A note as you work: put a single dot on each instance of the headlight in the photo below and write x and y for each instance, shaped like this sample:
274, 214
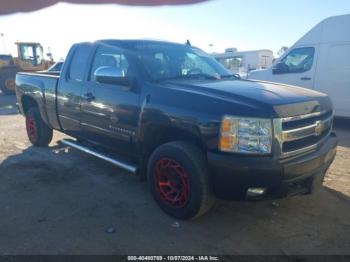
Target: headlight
246, 135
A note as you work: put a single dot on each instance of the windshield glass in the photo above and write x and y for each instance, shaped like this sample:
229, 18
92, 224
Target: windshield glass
164, 61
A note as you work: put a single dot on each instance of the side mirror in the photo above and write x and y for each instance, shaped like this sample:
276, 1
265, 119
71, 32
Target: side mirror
280, 68
111, 75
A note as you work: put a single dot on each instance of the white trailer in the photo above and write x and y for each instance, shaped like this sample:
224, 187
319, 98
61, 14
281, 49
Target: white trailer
319, 60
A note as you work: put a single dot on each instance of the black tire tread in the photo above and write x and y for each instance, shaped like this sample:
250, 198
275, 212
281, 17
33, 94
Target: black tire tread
45, 133
198, 159
4, 89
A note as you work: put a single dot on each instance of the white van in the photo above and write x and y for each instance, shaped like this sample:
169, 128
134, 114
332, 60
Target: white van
320, 60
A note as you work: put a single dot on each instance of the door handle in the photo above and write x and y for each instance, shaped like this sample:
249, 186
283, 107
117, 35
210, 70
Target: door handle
305, 78
89, 97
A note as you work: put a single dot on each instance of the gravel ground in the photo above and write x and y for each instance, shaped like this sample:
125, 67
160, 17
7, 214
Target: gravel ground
60, 201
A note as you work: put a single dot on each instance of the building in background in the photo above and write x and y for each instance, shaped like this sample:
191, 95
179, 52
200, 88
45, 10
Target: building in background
241, 62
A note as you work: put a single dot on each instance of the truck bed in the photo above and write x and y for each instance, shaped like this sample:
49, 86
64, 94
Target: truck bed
42, 88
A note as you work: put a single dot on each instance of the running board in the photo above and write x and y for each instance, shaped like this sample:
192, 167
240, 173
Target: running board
116, 162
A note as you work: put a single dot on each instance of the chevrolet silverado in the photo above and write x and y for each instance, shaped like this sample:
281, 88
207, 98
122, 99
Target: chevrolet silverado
176, 117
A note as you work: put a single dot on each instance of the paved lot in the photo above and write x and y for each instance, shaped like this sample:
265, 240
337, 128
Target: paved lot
58, 201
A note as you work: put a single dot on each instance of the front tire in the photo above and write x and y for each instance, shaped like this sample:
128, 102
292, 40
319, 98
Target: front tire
38, 132
179, 180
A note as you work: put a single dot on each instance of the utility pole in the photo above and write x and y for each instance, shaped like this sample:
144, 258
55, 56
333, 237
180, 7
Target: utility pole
3, 42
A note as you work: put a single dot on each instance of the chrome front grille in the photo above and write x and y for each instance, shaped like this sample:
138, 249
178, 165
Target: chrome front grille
300, 134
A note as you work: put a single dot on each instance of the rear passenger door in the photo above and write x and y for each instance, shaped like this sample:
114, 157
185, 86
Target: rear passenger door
70, 87
110, 112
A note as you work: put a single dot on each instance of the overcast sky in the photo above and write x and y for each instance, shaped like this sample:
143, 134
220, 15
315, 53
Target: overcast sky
246, 25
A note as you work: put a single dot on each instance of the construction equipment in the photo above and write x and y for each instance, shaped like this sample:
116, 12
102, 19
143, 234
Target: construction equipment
30, 58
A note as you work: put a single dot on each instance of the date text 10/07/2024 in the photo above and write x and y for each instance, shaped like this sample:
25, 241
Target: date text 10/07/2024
173, 258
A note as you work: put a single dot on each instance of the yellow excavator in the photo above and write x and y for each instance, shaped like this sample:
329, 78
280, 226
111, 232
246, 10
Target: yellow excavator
30, 58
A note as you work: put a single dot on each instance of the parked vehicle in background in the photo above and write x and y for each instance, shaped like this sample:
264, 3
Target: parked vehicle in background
241, 62
174, 115
320, 60
56, 67
30, 58
7, 71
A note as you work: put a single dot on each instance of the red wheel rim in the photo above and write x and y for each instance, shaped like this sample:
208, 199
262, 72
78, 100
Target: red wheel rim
172, 183
31, 128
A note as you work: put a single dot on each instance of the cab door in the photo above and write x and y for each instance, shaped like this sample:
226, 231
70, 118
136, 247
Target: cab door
70, 86
296, 68
109, 111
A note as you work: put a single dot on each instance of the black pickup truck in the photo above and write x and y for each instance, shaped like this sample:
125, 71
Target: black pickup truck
173, 115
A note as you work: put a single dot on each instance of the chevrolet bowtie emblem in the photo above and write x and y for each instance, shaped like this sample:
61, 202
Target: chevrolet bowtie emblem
319, 128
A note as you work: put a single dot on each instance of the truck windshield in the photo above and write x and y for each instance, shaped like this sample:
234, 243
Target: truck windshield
164, 61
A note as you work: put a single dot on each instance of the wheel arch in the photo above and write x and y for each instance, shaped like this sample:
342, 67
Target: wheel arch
28, 102
157, 135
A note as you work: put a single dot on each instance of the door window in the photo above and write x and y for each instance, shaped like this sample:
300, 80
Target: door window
112, 57
299, 60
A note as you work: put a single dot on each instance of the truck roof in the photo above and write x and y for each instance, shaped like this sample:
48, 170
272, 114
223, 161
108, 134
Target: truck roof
331, 29
27, 43
132, 41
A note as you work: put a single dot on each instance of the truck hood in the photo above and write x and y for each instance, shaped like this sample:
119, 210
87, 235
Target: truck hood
283, 99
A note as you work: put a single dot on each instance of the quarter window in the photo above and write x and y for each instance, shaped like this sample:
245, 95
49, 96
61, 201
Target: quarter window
79, 62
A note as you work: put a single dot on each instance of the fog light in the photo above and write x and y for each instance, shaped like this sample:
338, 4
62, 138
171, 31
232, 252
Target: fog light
255, 192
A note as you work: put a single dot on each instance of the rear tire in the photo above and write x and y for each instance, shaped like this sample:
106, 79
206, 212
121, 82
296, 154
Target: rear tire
179, 180
7, 80
38, 132
7, 86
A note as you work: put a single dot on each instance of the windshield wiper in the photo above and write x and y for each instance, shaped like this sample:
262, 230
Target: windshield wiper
233, 76
190, 76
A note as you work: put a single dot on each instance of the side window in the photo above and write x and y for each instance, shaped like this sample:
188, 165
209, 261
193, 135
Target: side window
109, 56
299, 60
79, 62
